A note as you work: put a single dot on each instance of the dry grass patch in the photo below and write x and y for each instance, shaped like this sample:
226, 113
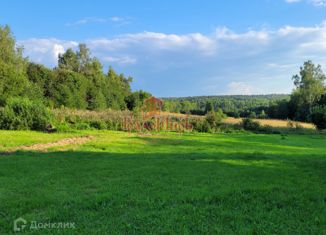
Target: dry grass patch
272, 122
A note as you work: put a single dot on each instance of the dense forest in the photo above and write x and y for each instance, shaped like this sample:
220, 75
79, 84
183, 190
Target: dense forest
233, 105
79, 81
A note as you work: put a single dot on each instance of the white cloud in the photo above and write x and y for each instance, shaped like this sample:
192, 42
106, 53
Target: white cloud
87, 20
46, 50
292, 1
116, 20
120, 59
226, 34
238, 62
157, 41
235, 88
316, 3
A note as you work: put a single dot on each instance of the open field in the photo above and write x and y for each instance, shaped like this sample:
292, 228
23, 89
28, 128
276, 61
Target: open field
165, 183
263, 122
271, 122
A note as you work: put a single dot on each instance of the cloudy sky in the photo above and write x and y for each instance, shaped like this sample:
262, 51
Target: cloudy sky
180, 48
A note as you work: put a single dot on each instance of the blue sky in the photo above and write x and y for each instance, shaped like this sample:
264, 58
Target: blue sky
180, 48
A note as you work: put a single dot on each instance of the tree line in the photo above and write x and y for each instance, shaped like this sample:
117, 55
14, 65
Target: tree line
78, 81
232, 105
306, 103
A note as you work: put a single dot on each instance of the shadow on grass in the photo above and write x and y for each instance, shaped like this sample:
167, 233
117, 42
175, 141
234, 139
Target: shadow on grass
89, 159
136, 193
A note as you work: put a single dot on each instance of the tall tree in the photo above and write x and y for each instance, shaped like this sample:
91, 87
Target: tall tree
309, 87
119, 88
69, 61
84, 58
209, 106
136, 99
13, 79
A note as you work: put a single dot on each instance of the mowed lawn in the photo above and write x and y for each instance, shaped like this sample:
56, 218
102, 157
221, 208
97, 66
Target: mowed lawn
168, 183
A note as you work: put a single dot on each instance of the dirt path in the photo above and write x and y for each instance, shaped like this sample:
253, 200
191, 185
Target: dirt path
42, 147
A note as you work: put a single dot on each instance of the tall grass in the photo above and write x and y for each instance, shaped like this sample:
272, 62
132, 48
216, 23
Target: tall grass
67, 119
74, 119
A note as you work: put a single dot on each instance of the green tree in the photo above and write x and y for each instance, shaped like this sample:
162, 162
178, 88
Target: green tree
13, 79
84, 58
136, 99
279, 109
187, 106
215, 118
41, 79
68, 61
69, 89
322, 100
262, 114
209, 107
119, 88
309, 87
77, 82
318, 116
252, 115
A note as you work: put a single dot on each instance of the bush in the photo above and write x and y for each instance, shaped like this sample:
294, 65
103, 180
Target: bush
252, 115
215, 118
82, 126
269, 130
149, 125
250, 125
63, 127
99, 125
23, 114
318, 117
200, 125
86, 119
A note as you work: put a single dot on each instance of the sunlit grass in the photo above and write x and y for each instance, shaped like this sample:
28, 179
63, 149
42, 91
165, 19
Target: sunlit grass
272, 122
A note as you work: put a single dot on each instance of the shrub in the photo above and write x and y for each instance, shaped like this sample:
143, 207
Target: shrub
252, 115
269, 130
23, 114
149, 125
82, 126
100, 125
318, 117
200, 125
250, 125
63, 127
215, 118
85, 119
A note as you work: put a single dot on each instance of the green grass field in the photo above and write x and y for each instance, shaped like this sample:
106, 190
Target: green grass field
168, 183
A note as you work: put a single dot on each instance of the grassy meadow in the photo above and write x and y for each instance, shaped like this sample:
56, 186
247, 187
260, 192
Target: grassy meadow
167, 183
